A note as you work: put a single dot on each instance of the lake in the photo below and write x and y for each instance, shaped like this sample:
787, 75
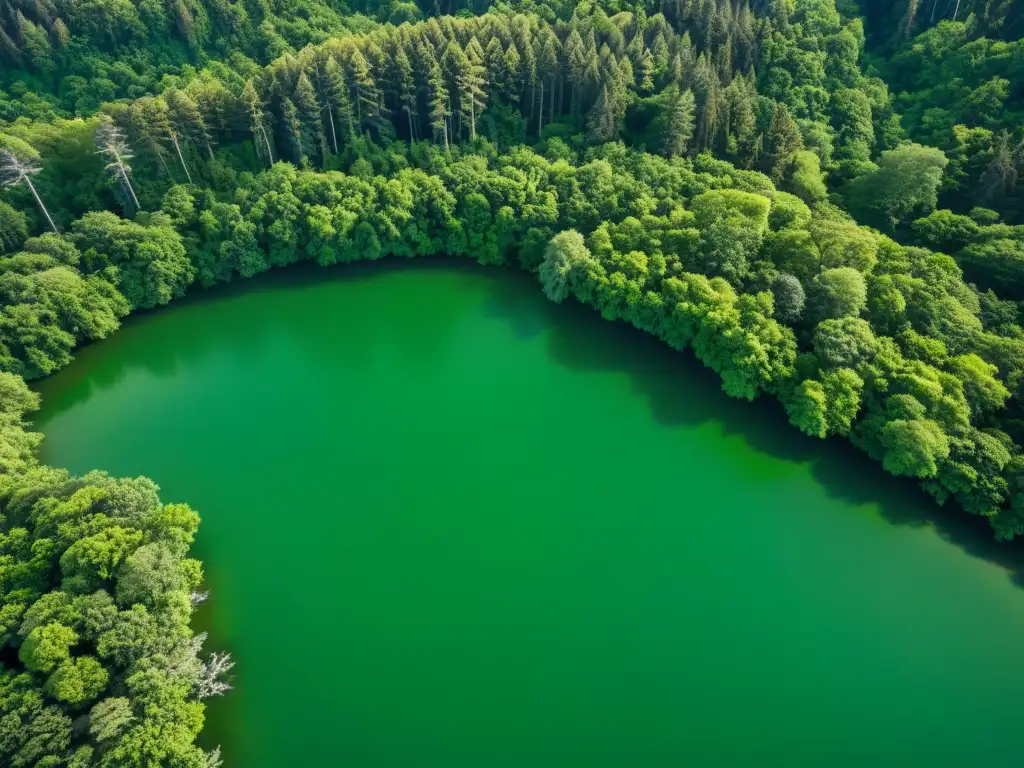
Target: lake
449, 524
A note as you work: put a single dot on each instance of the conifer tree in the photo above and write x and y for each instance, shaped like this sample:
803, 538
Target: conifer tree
512, 73
187, 120
679, 131
310, 118
782, 141
440, 105
257, 119
293, 129
405, 89
601, 122
547, 71
365, 94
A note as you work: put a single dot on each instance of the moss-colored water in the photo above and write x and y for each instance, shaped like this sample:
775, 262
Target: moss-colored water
446, 523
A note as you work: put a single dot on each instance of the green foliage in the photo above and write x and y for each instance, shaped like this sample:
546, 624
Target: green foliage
263, 137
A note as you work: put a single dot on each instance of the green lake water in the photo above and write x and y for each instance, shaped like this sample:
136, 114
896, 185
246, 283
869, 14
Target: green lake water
449, 524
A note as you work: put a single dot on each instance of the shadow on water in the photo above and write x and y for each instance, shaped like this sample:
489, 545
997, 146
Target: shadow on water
678, 390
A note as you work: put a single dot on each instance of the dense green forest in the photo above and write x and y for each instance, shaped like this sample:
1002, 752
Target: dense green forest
822, 203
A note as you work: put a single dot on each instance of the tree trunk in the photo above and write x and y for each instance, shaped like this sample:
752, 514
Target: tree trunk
39, 200
128, 184
540, 112
551, 111
174, 140
330, 120
472, 117
266, 140
412, 133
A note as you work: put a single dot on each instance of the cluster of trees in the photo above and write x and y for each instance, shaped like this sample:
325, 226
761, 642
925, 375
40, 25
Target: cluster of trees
956, 85
100, 666
856, 334
893, 21
777, 88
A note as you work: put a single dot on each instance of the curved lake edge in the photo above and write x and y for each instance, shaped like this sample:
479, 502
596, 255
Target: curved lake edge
845, 472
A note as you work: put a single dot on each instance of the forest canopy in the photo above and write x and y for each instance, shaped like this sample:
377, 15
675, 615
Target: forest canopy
821, 201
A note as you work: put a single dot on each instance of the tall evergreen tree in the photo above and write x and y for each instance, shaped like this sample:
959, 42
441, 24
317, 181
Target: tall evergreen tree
440, 105
782, 141
679, 130
601, 122
187, 120
310, 118
256, 116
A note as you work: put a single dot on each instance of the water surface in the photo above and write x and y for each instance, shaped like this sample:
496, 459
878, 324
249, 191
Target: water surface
447, 523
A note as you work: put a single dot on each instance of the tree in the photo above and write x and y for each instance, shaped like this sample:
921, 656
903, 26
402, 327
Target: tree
904, 185
365, 94
837, 293
566, 252
789, 298
781, 144
310, 117
601, 121
679, 131
844, 342
19, 162
13, 229
187, 119
254, 109
110, 141
440, 105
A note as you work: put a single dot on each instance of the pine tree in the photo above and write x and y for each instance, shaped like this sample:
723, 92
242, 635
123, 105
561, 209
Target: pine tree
310, 117
365, 94
601, 123
187, 120
257, 118
646, 75
472, 94
1000, 176
512, 74
293, 127
440, 105
149, 127
679, 130
547, 70
782, 141
405, 89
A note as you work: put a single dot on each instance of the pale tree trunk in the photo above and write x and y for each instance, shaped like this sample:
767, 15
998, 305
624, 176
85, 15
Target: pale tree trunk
124, 176
472, 117
39, 200
127, 183
540, 112
334, 136
266, 140
174, 140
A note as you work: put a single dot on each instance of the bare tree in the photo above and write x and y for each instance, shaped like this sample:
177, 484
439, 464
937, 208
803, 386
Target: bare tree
212, 759
111, 142
14, 170
198, 597
210, 683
